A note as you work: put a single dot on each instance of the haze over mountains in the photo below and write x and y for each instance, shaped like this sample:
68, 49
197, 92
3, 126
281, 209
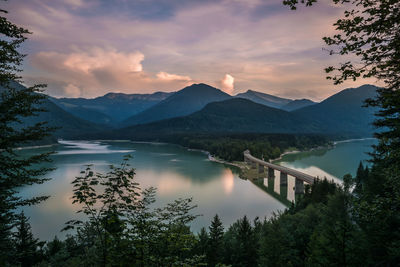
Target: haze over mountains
68, 125
123, 110
341, 115
234, 115
264, 99
200, 108
274, 101
297, 104
111, 108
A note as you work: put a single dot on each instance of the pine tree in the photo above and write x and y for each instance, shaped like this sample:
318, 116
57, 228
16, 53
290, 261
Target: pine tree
16, 104
370, 31
360, 179
202, 244
26, 246
337, 240
247, 245
215, 244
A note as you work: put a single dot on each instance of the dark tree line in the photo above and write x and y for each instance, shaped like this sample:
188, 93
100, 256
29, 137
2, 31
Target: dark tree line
230, 147
15, 170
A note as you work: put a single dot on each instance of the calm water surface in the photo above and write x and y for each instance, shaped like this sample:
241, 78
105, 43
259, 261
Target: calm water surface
173, 170
176, 173
333, 163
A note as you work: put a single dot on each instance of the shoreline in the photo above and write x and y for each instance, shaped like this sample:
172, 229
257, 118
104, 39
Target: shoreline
35, 147
333, 145
353, 140
302, 151
214, 159
210, 157
286, 153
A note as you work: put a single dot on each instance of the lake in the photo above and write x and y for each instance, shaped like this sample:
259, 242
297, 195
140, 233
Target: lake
176, 172
333, 163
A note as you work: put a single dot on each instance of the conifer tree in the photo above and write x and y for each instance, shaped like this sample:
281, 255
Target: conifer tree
202, 244
215, 244
247, 245
370, 31
16, 104
26, 246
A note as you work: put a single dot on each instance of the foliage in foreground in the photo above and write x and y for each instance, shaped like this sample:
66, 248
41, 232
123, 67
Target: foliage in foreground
16, 105
324, 228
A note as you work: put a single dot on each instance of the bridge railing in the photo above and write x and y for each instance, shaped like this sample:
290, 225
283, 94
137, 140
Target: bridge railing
297, 174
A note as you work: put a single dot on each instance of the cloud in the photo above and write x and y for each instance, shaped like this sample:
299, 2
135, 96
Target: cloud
98, 58
227, 84
99, 46
74, 3
96, 71
172, 77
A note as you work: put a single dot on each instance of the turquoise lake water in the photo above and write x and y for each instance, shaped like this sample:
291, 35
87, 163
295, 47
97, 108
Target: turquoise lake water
176, 172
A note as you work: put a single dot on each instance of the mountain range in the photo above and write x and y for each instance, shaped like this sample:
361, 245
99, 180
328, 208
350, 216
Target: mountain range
235, 115
121, 110
275, 101
183, 102
201, 108
342, 114
111, 108
67, 125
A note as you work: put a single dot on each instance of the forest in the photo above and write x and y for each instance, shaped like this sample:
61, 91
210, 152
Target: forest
328, 226
230, 147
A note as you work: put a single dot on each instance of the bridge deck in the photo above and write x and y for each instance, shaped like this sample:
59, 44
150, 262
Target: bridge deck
300, 175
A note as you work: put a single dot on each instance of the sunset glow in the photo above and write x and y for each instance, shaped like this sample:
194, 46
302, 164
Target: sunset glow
88, 48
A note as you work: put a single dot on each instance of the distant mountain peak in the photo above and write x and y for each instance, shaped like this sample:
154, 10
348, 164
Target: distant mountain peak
184, 102
199, 86
264, 99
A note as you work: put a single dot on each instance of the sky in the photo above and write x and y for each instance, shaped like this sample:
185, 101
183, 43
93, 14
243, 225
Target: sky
87, 48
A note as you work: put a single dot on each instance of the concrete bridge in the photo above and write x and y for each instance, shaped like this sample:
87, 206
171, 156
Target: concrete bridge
300, 178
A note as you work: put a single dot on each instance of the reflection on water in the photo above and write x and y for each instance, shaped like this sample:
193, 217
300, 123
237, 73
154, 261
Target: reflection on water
174, 171
228, 181
324, 163
333, 163
179, 173
83, 147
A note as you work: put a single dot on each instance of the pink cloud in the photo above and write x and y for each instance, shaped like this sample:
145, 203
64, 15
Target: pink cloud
279, 53
98, 58
96, 71
172, 77
227, 84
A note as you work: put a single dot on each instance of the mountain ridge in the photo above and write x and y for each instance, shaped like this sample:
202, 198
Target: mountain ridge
68, 125
344, 112
110, 108
265, 99
184, 102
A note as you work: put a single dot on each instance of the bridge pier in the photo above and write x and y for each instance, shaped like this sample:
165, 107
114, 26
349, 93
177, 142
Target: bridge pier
271, 173
279, 183
299, 187
283, 178
260, 168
